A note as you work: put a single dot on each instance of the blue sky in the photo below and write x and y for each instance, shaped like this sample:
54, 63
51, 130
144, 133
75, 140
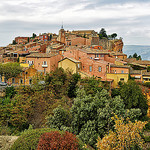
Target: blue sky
130, 19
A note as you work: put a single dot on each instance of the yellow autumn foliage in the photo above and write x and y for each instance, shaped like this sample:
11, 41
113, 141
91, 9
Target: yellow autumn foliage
126, 135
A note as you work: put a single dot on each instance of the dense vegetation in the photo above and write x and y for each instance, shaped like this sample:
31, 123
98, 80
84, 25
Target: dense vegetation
66, 102
29, 139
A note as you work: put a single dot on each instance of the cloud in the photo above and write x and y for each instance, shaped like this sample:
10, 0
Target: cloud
126, 18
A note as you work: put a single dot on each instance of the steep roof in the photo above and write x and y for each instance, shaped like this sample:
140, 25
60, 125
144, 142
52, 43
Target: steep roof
40, 55
72, 59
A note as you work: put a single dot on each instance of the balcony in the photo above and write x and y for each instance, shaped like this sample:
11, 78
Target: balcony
44, 65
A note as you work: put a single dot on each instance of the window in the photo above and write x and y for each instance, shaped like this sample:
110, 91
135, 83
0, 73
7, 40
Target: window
91, 57
30, 81
44, 62
13, 80
78, 65
99, 69
122, 71
121, 79
97, 55
83, 67
21, 81
90, 68
102, 55
79, 58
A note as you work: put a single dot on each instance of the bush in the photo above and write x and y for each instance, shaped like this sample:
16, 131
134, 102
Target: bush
56, 140
147, 138
29, 139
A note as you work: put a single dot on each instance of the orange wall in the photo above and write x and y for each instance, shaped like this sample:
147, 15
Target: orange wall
52, 63
118, 70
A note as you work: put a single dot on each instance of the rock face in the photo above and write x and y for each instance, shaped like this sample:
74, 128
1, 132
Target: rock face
112, 45
7, 141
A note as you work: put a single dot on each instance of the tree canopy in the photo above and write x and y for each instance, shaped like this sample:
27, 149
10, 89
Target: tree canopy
10, 70
102, 33
90, 116
127, 135
132, 96
138, 57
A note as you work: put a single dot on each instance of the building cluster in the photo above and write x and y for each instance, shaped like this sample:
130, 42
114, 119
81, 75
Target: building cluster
79, 51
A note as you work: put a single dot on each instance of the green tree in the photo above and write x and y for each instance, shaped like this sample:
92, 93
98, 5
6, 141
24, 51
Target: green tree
91, 115
130, 56
148, 68
14, 42
135, 55
60, 118
102, 33
33, 35
114, 35
10, 70
50, 37
133, 97
91, 85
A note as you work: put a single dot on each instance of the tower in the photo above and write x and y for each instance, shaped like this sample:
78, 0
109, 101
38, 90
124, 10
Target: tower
61, 37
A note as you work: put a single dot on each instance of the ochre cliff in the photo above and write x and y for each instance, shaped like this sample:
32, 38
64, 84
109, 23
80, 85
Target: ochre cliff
112, 45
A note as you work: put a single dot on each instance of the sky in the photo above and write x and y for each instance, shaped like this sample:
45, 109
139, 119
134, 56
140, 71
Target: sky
130, 19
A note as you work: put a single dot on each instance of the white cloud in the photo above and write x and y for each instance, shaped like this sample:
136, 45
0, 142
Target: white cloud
127, 18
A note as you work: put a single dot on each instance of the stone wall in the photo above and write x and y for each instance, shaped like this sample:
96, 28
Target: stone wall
7, 141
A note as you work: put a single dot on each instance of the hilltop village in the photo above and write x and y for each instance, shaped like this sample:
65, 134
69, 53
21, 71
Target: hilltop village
80, 51
77, 81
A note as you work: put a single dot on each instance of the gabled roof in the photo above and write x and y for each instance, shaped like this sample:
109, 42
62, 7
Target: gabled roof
72, 59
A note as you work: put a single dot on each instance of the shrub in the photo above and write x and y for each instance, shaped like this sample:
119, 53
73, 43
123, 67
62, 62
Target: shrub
56, 140
29, 139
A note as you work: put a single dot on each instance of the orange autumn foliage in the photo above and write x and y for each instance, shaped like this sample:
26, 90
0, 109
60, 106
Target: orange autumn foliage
54, 140
125, 136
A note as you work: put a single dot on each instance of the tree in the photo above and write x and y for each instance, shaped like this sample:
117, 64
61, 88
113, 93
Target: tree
148, 68
60, 118
102, 33
14, 42
56, 140
33, 35
135, 56
50, 37
90, 116
91, 85
133, 97
130, 56
125, 136
114, 35
10, 70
